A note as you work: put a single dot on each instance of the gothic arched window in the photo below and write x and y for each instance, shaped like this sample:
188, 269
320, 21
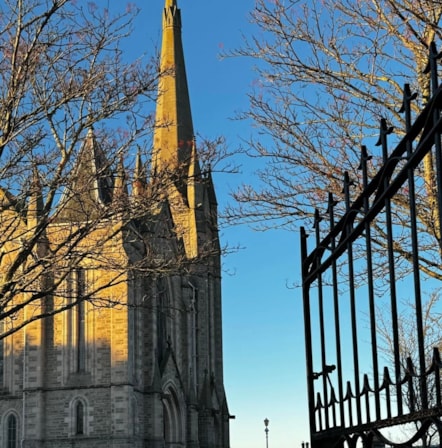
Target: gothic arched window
11, 431
79, 418
79, 424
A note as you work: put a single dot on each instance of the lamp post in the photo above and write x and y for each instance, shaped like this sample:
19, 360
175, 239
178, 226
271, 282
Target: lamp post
266, 423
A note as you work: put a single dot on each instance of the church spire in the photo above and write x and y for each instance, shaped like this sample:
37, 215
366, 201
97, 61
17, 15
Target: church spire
120, 186
175, 164
173, 137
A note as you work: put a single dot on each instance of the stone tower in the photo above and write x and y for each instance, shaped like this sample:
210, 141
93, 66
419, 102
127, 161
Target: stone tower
148, 370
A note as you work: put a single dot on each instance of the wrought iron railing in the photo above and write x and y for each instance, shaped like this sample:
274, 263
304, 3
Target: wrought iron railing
354, 281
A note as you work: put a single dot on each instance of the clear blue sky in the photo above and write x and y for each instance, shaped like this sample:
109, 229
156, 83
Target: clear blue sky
263, 324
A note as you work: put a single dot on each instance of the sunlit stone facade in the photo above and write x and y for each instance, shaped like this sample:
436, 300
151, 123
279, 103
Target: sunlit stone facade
148, 370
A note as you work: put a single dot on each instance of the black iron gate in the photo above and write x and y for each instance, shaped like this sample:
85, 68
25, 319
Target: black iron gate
372, 382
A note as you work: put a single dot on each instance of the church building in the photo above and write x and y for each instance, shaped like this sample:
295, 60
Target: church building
144, 369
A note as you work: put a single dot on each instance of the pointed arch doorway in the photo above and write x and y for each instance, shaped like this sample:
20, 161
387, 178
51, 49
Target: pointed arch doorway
174, 420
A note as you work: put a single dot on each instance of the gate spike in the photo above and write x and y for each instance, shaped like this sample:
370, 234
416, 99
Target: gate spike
409, 375
435, 361
366, 388
363, 165
431, 66
318, 219
386, 382
384, 130
347, 184
331, 203
319, 404
349, 392
365, 157
409, 370
407, 98
333, 399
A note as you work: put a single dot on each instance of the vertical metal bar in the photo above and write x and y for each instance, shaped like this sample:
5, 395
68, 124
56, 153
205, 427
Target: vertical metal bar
308, 335
437, 366
333, 401
431, 68
406, 108
370, 285
351, 281
366, 390
319, 407
331, 205
438, 150
321, 320
386, 383
349, 396
433, 58
384, 131
411, 375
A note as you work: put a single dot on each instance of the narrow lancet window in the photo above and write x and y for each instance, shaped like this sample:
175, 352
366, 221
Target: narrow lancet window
11, 436
80, 342
79, 418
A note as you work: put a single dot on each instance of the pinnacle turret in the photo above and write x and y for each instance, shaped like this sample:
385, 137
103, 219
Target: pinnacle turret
120, 194
91, 185
35, 206
139, 182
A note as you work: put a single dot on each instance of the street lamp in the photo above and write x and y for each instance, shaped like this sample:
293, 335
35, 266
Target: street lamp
266, 423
